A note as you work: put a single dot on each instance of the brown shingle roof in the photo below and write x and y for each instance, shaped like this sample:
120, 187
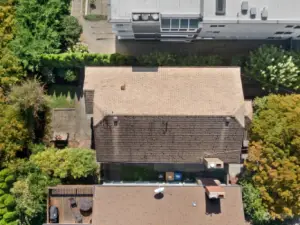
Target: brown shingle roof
171, 91
136, 205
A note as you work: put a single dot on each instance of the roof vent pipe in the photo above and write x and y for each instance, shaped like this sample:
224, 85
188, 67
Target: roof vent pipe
264, 14
244, 7
252, 13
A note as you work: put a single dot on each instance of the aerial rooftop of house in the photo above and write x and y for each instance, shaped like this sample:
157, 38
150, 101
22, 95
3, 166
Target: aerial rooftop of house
165, 91
136, 204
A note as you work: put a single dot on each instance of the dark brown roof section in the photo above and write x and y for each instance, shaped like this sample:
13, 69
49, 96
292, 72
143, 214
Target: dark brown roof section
136, 205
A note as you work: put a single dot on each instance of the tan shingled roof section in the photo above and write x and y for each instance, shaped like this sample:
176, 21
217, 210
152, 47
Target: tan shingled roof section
189, 91
137, 206
249, 109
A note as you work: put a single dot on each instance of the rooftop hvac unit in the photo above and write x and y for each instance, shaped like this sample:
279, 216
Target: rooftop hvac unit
136, 17
253, 13
213, 163
244, 7
145, 16
155, 16
264, 14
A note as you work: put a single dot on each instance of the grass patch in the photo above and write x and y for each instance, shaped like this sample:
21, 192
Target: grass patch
62, 96
61, 102
95, 17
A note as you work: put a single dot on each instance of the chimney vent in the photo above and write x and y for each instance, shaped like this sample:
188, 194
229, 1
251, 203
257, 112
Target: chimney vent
123, 87
264, 14
252, 13
244, 7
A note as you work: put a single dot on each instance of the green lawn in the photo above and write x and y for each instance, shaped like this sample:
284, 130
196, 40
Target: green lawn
63, 96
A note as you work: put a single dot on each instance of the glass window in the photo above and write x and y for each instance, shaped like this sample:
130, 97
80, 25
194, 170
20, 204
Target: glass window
184, 23
220, 7
165, 23
194, 23
175, 23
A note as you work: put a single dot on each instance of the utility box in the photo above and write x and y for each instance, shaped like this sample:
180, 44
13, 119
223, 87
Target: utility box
169, 176
213, 163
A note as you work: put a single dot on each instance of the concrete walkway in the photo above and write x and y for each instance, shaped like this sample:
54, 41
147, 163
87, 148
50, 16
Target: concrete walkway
76, 8
96, 34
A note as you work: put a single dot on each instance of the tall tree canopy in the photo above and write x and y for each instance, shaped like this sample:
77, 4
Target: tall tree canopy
274, 68
40, 29
66, 163
13, 132
11, 70
274, 154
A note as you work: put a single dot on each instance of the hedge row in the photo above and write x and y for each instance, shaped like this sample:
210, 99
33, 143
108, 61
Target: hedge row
80, 60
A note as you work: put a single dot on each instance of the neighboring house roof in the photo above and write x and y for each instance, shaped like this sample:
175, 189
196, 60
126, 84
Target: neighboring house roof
136, 205
277, 9
166, 91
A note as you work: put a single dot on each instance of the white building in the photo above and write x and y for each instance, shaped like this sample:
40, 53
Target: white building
187, 20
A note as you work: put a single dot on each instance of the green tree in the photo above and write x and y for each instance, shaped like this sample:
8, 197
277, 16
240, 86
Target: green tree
67, 163
47, 168
71, 31
30, 100
253, 206
11, 71
30, 192
38, 29
13, 133
274, 154
273, 68
7, 21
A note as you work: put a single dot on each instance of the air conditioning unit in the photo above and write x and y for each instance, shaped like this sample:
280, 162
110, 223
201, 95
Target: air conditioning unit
215, 192
213, 163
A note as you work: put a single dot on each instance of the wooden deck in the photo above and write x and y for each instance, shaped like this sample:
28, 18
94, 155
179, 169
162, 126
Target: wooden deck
59, 197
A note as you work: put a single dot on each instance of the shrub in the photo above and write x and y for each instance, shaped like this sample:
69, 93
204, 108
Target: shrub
9, 202
70, 75
71, 31
78, 48
95, 17
9, 179
10, 216
3, 211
